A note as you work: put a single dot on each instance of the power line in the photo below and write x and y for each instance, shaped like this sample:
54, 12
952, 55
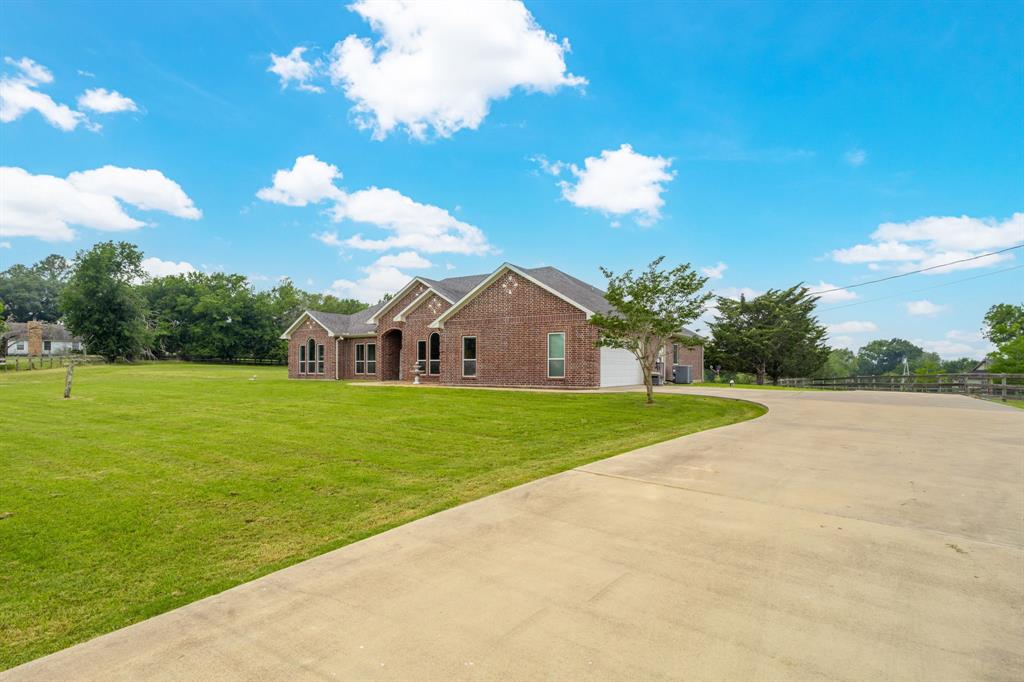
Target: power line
916, 291
914, 272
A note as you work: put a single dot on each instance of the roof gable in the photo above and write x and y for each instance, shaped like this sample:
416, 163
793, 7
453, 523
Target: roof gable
564, 282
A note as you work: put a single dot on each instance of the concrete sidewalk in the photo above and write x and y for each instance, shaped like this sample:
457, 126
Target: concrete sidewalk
841, 536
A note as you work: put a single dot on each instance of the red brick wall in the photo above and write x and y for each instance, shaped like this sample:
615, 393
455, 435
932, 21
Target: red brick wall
512, 323
306, 331
416, 329
688, 356
348, 358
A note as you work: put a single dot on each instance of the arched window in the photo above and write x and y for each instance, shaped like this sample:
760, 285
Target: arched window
435, 354
311, 356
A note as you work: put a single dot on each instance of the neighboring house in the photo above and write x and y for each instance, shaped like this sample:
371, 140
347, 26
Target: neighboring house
982, 367
37, 338
514, 327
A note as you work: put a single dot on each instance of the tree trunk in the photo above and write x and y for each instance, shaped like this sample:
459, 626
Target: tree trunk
67, 380
760, 374
649, 385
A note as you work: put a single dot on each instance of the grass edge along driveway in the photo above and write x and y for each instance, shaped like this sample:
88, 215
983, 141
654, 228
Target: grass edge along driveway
161, 484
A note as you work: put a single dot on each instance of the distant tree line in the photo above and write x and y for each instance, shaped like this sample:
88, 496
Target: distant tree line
105, 297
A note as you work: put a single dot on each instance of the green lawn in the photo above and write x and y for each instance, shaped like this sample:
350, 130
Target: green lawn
160, 484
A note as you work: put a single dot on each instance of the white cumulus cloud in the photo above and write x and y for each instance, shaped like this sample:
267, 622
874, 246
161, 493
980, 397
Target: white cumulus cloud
161, 268
437, 66
105, 101
715, 272
852, 327
19, 94
924, 308
308, 182
405, 223
381, 277
46, 206
935, 240
839, 296
293, 68
620, 182
405, 259
958, 344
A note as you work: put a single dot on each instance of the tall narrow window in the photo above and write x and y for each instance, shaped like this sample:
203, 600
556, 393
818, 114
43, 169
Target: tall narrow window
556, 355
675, 353
435, 354
469, 356
311, 357
320, 359
302, 359
421, 356
371, 358
360, 359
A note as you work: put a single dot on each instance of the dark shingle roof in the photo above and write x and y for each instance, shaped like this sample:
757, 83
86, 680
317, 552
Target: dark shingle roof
51, 332
356, 323
456, 288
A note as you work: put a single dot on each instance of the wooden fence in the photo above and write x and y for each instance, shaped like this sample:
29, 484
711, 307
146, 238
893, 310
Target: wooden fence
237, 361
1001, 386
18, 363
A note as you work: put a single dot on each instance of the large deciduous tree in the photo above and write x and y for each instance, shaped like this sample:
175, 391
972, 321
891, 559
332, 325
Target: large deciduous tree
650, 310
772, 335
882, 356
33, 293
1004, 322
1004, 326
102, 304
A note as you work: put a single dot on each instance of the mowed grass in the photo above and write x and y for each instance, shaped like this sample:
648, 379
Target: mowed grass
160, 484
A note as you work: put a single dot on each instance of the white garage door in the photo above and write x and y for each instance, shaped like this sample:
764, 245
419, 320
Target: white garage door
619, 368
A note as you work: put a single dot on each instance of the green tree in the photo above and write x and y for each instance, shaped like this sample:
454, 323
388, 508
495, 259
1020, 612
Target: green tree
840, 363
882, 356
1004, 322
958, 366
1009, 357
650, 310
102, 304
212, 315
34, 292
772, 335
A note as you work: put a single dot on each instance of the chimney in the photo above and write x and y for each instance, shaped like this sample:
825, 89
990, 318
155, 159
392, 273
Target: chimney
35, 338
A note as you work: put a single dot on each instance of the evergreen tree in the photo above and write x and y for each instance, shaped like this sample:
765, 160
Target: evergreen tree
772, 335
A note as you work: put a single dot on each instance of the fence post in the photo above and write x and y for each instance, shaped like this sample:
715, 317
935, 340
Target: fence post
1004, 388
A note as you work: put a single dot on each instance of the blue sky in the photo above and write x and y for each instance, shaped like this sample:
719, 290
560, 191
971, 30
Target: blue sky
825, 143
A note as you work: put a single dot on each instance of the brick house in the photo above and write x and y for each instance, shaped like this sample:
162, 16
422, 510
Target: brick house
525, 327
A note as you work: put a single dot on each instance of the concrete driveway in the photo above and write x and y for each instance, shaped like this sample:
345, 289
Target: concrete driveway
843, 536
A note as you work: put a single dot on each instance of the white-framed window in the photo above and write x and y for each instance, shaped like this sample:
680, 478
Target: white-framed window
311, 357
434, 366
360, 358
469, 356
47, 346
556, 355
320, 359
421, 355
302, 359
675, 353
371, 358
